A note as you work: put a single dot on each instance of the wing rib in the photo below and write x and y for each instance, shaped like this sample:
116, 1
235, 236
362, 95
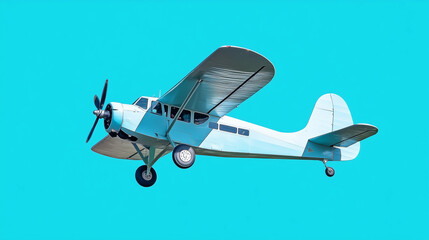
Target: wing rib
219, 103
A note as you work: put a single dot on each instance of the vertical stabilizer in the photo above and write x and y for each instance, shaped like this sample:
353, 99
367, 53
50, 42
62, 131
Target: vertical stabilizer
329, 114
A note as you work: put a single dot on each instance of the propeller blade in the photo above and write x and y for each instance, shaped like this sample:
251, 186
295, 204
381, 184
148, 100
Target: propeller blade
92, 129
97, 102
103, 95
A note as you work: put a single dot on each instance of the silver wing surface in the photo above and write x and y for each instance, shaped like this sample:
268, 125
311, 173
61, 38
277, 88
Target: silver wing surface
123, 149
230, 75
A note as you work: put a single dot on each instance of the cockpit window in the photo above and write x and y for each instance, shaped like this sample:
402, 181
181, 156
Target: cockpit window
165, 110
173, 111
142, 102
157, 109
200, 118
184, 116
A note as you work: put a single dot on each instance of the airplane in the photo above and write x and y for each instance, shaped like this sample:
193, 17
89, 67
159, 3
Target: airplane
190, 119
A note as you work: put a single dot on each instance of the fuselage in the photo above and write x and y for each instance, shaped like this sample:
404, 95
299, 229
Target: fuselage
148, 120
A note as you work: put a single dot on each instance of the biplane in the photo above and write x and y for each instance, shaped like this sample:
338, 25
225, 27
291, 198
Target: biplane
190, 119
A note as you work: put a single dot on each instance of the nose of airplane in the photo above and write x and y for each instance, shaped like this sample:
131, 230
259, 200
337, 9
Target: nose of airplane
114, 115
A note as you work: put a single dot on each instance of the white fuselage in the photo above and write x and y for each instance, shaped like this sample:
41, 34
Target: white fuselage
147, 122
231, 138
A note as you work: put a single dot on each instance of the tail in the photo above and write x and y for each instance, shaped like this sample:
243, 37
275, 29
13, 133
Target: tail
331, 133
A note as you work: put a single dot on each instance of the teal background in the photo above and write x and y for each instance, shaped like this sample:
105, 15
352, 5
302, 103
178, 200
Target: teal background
55, 55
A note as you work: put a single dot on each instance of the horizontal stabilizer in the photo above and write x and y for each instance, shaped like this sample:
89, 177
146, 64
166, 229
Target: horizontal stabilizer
346, 136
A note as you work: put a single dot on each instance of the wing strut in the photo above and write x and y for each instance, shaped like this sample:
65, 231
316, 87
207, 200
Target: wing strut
181, 109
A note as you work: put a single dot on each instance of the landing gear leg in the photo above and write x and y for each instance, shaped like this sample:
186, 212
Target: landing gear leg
328, 170
145, 174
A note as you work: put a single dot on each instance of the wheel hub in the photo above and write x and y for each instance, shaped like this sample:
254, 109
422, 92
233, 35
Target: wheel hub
146, 176
185, 156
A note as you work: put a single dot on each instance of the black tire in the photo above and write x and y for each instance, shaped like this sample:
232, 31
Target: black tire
329, 171
145, 182
183, 156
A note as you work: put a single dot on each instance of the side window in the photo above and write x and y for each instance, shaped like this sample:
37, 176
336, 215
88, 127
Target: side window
213, 125
173, 111
142, 103
200, 118
157, 108
227, 128
184, 116
244, 132
165, 110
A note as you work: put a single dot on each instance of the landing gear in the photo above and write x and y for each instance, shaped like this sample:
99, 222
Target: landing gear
144, 178
183, 156
329, 171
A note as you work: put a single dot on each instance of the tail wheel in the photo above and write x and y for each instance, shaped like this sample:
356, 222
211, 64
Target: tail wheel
329, 171
144, 178
183, 156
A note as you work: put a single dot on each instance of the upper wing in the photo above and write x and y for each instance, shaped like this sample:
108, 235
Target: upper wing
230, 75
123, 149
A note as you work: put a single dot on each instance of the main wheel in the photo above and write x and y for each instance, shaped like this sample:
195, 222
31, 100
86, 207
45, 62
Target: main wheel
329, 171
183, 156
143, 178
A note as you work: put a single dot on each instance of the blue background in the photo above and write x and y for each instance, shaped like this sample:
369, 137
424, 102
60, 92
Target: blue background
54, 56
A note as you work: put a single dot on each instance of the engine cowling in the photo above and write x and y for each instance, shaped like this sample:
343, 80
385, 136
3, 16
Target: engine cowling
113, 123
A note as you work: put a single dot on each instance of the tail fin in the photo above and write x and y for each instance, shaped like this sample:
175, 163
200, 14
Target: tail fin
331, 127
329, 114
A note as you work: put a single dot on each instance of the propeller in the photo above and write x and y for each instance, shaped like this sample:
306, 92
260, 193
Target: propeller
99, 113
